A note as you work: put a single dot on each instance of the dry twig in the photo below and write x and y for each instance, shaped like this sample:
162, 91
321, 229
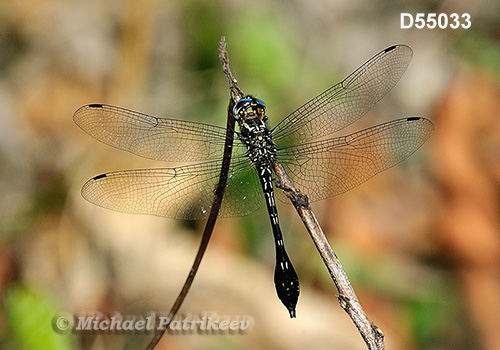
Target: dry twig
371, 334
236, 94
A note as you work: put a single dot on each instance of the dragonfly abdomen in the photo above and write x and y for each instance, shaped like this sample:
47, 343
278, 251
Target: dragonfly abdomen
286, 280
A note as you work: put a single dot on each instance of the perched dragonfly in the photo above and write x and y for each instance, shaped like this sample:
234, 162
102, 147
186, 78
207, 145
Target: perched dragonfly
319, 169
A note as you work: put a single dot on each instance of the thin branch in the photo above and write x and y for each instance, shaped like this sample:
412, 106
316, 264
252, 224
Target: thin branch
371, 334
236, 92
235, 89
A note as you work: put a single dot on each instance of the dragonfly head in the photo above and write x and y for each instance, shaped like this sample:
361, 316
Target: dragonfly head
248, 108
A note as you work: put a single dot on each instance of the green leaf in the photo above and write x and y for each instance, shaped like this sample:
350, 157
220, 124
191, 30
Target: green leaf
30, 315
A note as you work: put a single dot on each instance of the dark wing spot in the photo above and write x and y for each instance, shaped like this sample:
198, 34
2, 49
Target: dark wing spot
99, 177
390, 48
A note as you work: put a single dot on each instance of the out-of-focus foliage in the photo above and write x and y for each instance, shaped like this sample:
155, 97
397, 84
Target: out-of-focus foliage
30, 315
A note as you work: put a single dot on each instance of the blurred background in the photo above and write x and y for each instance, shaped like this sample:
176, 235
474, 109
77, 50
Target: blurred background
420, 242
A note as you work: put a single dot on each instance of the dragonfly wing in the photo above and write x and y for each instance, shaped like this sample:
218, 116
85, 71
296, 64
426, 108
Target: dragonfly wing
152, 137
243, 191
185, 192
327, 168
347, 101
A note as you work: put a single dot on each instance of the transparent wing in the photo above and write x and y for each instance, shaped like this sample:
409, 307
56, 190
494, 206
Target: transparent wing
185, 192
347, 101
152, 137
327, 168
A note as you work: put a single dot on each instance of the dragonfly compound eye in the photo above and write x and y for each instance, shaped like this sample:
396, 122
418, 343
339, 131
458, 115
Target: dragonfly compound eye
249, 106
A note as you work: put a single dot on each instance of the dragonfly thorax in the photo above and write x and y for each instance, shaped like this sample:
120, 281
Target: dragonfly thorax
250, 113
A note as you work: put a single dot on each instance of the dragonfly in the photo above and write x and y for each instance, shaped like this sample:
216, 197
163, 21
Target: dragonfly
320, 165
